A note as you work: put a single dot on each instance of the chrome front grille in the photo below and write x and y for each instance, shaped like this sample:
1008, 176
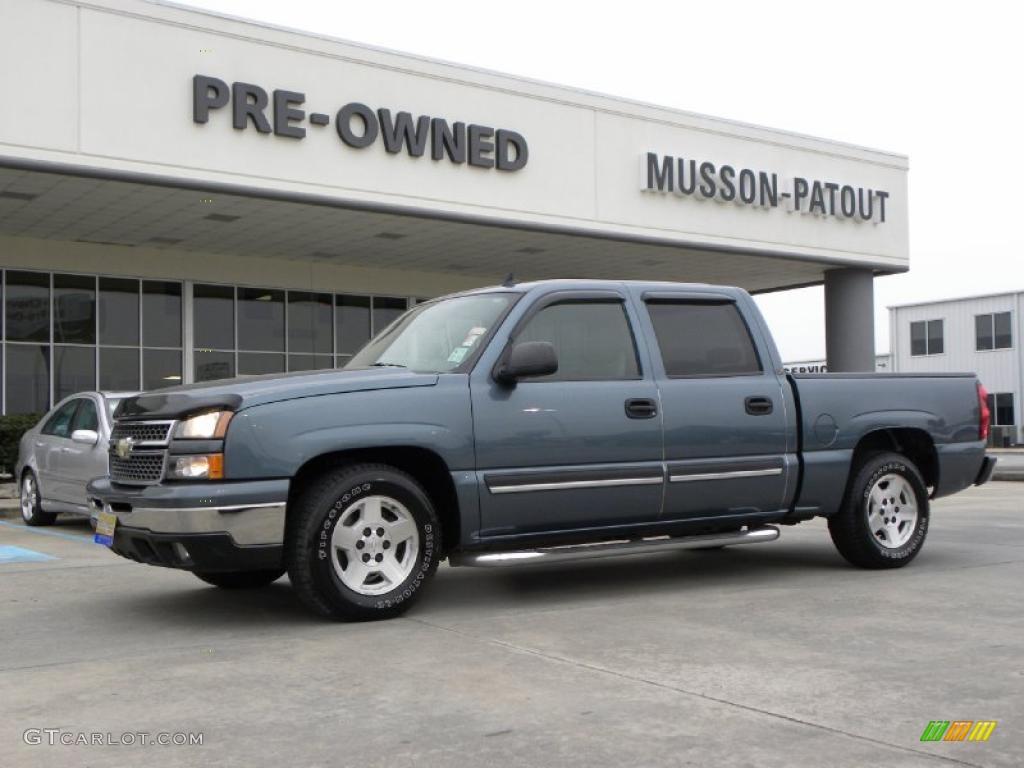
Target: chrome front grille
154, 432
140, 468
138, 451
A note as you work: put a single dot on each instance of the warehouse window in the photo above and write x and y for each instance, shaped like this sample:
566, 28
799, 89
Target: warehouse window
993, 331
1000, 405
926, 337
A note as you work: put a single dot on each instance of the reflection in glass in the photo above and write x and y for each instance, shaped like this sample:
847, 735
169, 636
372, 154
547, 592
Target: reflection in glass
74, 309
255, 363
260, 320
27, 312
214, 317
74, 370
119, 312
28, 378
161, 314
161, 368
119, 369
309, 322
214, 365
352, 322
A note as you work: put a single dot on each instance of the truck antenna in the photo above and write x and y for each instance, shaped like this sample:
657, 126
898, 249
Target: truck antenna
509, 281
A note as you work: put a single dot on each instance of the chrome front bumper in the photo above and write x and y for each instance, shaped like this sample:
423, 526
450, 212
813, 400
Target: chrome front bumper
246, 524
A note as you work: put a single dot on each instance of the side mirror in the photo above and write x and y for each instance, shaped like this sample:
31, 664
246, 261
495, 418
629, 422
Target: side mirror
85, 436
529, 358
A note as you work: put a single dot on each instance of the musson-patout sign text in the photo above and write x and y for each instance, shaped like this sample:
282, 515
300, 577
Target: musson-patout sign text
360, 126
704, 180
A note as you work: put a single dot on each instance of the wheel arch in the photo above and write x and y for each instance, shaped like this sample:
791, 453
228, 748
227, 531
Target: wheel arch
428, 468
914, 443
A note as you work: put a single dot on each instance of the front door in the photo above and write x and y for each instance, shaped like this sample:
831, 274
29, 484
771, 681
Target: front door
579, 448
727, 414
79, 462
50, 443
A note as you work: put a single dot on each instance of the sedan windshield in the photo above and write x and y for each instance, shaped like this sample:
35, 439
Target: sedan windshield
436, 337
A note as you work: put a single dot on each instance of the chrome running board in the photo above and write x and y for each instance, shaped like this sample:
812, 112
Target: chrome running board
566, 553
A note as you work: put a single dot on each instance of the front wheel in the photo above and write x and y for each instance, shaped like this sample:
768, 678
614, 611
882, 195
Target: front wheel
31, 502
884, 518
241, 579
362, 543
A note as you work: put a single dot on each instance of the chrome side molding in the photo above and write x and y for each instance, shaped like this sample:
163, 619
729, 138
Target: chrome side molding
734, 474
571, 552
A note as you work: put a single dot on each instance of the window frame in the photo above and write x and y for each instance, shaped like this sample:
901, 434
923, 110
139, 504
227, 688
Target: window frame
714, 300
570, 297
927, 337
74, 403
992, 330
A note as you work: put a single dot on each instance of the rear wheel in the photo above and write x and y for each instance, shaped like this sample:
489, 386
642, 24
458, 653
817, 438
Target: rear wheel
241, 579
884, 519
31, 502
362, 543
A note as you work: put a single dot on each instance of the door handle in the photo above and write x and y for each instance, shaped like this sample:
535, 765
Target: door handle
758, 406
641, 408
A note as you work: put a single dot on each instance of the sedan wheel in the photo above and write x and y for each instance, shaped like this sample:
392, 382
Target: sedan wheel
31, 510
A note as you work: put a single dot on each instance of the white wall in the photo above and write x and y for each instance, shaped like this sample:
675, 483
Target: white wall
1000, 370
107, 84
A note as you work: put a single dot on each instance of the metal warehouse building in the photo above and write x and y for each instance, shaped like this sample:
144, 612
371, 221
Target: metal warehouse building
186, 196
976, 333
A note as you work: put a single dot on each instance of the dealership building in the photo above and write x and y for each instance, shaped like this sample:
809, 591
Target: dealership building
976, 333
187, 196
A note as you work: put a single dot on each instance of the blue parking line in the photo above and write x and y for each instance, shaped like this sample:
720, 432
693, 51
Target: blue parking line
12, 554
55, 534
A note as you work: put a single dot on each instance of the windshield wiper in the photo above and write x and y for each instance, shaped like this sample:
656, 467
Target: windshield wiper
387, 365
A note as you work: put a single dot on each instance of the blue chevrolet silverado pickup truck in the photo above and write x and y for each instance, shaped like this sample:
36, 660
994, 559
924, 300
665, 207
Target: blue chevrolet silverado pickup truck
530, 423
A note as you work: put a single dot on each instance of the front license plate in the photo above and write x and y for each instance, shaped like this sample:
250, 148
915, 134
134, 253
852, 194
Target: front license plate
105, 524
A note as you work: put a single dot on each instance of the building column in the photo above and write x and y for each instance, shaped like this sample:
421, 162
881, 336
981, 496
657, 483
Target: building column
849, 320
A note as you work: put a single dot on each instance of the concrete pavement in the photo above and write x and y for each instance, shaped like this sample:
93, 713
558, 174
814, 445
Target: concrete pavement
770, 655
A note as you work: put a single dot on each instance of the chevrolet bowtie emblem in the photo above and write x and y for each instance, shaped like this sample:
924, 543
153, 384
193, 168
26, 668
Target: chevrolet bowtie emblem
123, 447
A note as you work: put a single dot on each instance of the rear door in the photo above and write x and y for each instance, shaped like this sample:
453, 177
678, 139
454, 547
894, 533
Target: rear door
577, 449
724, 408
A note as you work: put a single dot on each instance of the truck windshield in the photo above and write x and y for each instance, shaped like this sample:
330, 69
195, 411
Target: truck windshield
436, 337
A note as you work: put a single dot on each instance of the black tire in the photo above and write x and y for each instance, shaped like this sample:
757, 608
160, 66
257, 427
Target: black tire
324, 503
241, 579
33, 513
849, 527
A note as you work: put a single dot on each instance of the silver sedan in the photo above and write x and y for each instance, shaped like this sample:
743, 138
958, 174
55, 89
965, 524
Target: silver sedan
64, 451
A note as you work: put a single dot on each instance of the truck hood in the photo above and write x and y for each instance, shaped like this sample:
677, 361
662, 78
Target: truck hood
236, 394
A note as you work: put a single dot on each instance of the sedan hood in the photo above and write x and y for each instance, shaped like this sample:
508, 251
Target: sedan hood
237, 394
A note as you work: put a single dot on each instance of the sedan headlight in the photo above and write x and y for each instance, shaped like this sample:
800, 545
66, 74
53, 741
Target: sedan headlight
204, 426
201, 467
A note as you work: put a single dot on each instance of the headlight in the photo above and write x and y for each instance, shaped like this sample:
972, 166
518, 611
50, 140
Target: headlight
203, 467
204, 426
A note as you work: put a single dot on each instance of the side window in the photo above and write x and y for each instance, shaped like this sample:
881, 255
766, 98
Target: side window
59, 425
592, 339
86, 417
703, 339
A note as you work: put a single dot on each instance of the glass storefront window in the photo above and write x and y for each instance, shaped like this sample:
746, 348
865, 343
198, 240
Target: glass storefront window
213, 312
309, 323
256, 363
74, 309
309, 362
387, 309
119, 312
260, 320
27, 314
161, 314
212, 365
28, 378
74, 370
352, 323
119, 369
161, 368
